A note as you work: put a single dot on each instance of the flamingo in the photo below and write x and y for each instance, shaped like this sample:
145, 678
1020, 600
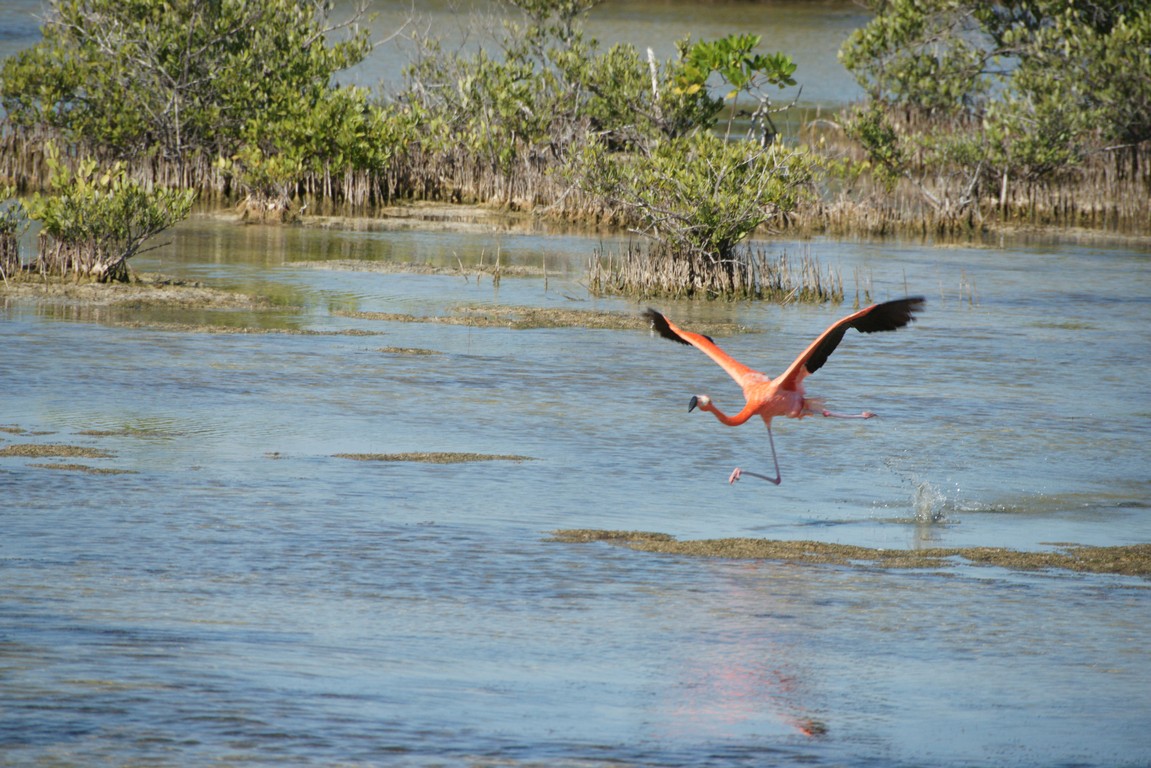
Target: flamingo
783, 396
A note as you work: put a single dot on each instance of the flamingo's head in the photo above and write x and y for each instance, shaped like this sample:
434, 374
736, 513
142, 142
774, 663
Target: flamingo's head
702, 401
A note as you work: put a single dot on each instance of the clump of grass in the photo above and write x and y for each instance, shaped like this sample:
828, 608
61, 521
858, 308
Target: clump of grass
750, 273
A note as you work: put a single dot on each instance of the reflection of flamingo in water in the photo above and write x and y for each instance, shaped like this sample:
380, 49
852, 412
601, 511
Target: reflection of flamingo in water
728, 690
783, 396
734, 673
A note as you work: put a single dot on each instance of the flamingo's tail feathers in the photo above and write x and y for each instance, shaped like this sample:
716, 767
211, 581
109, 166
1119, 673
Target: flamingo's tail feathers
660, 325
890, 315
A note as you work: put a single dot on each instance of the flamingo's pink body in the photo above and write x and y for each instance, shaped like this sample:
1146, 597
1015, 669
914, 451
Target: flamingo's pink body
784, 395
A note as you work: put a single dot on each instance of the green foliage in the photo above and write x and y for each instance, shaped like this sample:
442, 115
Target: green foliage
319, 134
129, 76
13, 224
13, 217
551, 86
926, 54
742, 71
93, 222
1035, 84
632, 134
548, 87
700, 195
1086, 81
733, 58
552, 93
234, 79
879, 139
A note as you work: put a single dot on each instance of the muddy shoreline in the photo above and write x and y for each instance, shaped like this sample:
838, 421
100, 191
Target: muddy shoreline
144, 290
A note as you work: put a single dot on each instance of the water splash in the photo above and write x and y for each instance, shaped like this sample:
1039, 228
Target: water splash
928, 502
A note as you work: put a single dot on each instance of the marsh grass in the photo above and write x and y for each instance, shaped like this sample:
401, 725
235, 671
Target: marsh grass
750, 273
239, 330
1108, 190
141, 290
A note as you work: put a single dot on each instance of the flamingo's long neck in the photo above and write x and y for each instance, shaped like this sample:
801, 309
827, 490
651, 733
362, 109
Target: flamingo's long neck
731, 421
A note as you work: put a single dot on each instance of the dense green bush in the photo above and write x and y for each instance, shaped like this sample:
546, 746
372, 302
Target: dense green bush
700, 194
249, 82
13, 224
1034, 85
92, 222
635, 136
547, 88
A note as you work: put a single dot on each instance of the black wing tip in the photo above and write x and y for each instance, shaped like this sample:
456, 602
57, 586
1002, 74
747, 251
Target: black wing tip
909, 307
891, 315
914, 303
660, 326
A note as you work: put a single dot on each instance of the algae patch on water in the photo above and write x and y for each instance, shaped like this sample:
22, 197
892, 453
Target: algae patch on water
411, 351
86, 469
32, 450
1131, 560
240, 330
525, 318
433, 457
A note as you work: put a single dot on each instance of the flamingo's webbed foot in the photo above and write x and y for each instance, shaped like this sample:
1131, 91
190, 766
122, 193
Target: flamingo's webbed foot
735, 475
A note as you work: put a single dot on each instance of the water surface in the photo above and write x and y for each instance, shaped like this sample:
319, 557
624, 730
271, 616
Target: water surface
243, 596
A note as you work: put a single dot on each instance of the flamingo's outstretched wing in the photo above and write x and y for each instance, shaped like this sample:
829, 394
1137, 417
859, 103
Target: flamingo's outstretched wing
888, 316
669, 330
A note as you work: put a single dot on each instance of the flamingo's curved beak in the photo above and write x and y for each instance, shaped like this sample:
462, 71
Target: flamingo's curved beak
692, 403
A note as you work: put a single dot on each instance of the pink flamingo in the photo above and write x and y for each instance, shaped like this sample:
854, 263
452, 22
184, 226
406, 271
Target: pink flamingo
783, 396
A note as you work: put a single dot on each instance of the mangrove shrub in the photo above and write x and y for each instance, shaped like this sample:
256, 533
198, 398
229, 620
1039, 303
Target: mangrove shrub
93, 221
184, 84
13, 224
512, 115
1034, 85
